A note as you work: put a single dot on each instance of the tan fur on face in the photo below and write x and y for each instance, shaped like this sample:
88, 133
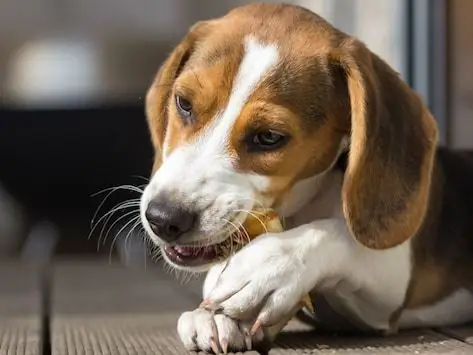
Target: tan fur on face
325, 86
159, 96
208, 89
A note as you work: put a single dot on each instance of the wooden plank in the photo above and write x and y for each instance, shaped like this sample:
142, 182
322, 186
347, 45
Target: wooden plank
20, 306
102, 308
107, 309
410, 342
463, 333
102, 287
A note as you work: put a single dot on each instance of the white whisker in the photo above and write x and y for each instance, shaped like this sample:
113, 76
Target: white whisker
116, 188
110, 191
141, 177
255, 201
121, 206
237, 230
118, 220
133, 220
251, 213
127, 237
245, 232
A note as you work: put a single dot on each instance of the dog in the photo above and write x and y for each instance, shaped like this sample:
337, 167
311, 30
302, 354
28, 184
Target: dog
272, 106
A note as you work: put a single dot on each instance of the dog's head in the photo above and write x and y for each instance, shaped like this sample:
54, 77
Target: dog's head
251, 104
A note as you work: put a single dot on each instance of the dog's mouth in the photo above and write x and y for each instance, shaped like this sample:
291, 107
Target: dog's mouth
187, 255
194, 255
199, 255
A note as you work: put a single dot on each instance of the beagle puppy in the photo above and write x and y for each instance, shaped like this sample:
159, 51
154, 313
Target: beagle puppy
270, 106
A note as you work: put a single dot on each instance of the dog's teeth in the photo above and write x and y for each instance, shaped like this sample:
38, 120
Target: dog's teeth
185, 251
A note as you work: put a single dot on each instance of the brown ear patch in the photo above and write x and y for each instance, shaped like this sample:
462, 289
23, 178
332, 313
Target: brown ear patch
157, 97
393, 140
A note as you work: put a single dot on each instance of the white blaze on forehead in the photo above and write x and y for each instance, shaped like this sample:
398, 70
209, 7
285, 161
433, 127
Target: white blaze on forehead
258, 60
206, 155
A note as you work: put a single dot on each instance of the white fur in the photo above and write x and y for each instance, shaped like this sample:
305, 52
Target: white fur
366, 285
201, 174
198, 328
455, 309
309, 189
256, 63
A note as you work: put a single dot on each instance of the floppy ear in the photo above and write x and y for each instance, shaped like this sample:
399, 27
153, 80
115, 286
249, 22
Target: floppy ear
157, 97
392, 147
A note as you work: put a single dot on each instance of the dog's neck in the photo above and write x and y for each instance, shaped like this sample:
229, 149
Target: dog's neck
318, 189
314, 198
319, 196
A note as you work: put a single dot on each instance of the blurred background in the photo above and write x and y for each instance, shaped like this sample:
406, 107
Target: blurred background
73, 75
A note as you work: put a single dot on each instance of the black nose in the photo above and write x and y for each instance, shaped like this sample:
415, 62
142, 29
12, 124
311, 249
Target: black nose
169, 221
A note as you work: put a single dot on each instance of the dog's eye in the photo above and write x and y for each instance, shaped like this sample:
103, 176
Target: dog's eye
267, 140
183, 106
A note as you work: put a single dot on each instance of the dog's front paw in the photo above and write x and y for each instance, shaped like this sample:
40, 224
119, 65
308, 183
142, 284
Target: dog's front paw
202, 330
264, 282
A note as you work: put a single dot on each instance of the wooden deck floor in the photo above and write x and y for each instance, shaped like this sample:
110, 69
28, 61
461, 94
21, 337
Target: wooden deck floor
94, 307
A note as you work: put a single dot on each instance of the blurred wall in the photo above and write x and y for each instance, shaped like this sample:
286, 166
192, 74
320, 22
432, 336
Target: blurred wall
79, 52
379, 23
460, 90
118, 44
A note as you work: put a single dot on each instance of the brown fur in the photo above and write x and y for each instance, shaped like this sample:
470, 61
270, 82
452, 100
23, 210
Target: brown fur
443, 248
393, 141
159, 94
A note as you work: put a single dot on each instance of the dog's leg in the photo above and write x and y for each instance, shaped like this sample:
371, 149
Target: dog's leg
268, 278
264, 283
203, 330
